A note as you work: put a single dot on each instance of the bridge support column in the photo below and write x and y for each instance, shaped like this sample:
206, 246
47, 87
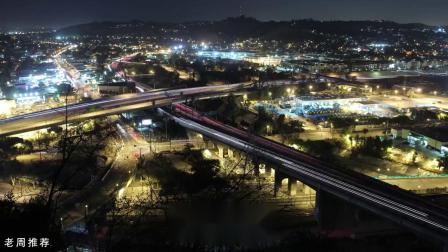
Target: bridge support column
333, 213
292, 186
230, 153
257, 168
267, 171
278, 178
220, 151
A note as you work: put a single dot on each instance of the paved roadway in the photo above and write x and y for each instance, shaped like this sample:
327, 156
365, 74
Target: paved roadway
108, 106
100, 191
116, 66
400, 206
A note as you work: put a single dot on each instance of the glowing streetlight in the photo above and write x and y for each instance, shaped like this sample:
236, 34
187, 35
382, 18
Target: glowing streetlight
310, 87
329, 84
419, 90
86, 210
435, 92
396, 91
267, 129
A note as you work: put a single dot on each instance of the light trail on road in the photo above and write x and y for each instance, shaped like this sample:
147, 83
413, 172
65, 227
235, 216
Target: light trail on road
412, 212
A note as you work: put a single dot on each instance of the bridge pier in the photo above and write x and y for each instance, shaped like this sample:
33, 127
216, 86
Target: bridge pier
224, 150
278, 179
230, 153
221, 150
292, 186
333, 213
256, 168
267, 171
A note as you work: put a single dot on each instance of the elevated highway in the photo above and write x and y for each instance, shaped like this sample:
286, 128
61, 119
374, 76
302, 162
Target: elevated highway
390, 202
109, 106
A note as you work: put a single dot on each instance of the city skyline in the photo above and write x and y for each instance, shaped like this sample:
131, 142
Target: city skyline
252, 125
32, 14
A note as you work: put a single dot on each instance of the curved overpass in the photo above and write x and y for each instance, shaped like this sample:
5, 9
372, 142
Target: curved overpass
402, 207
108, 106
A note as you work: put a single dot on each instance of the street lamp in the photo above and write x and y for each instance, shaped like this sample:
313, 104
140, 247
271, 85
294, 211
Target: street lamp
62, 224
311, 87
267, 129
86, 210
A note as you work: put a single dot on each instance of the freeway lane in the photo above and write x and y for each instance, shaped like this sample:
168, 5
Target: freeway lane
344, 174
404, 208
108, 106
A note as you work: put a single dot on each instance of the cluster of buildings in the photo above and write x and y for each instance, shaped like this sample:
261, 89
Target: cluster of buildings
34, 82
435, 138
329, 105
42, 74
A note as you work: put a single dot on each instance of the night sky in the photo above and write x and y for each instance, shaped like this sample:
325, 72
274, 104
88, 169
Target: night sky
57, 13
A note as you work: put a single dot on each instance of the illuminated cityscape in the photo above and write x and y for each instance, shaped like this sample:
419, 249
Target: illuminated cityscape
174, 130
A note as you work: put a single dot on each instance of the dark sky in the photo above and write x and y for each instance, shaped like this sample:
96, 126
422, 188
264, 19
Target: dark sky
57, 13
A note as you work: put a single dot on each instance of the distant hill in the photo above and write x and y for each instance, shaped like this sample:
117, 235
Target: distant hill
246, 27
